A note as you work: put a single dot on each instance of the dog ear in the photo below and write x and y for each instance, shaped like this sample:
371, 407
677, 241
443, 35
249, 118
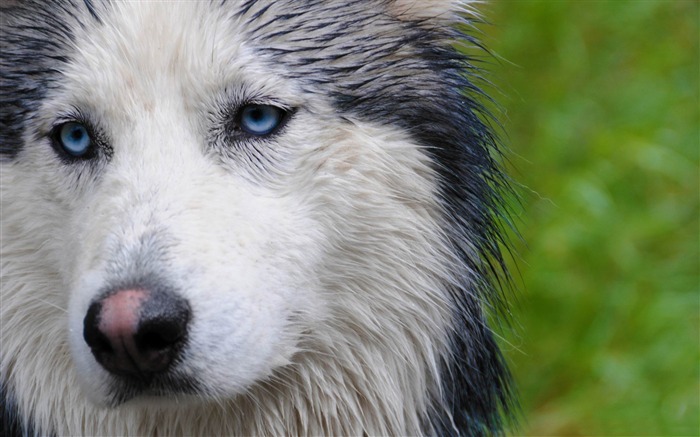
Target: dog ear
432, 10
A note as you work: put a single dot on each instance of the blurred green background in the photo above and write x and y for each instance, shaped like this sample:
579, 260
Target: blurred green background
601, 106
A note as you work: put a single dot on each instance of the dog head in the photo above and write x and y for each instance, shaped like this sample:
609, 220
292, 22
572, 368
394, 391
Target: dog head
229, 195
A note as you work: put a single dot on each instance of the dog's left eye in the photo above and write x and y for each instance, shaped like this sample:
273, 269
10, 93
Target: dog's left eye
261, 120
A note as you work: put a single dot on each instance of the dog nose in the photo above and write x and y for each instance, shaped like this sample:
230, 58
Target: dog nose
136, 332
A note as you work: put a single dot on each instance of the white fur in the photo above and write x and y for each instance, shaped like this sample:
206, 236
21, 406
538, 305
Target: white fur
315, 291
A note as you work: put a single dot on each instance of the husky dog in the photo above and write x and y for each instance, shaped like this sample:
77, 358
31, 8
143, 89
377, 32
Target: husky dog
247, 217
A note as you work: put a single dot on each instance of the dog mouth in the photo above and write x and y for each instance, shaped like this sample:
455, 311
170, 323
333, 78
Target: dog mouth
166, 386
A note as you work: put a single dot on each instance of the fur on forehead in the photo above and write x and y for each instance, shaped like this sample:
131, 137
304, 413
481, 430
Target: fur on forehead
440, 10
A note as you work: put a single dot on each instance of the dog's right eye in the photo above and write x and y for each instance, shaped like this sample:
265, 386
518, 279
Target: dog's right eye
261, 120
73, 138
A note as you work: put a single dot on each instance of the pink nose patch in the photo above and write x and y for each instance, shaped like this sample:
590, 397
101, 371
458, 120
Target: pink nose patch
119, 318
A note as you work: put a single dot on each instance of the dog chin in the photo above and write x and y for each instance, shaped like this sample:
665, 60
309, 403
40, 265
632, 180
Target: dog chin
177, 392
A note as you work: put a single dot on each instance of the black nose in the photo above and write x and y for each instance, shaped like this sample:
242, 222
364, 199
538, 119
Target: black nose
136, 332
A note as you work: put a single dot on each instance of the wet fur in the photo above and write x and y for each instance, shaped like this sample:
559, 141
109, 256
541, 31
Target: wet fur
365, 233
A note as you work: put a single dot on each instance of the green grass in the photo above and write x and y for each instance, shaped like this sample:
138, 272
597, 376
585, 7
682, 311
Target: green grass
601, 104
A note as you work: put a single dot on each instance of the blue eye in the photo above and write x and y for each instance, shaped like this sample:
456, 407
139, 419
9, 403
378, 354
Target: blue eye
261, 119
74, 138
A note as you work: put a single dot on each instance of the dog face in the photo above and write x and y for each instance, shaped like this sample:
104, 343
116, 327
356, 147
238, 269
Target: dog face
189, 174
177, 194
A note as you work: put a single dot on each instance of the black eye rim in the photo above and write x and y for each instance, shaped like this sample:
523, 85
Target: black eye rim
63, 152
239, 129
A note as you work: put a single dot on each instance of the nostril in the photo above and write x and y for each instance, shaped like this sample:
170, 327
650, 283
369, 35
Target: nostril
157, 335
163, 321
99, 343
92, 334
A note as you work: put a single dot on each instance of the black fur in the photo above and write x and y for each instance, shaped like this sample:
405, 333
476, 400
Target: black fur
34, 44
11, 424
